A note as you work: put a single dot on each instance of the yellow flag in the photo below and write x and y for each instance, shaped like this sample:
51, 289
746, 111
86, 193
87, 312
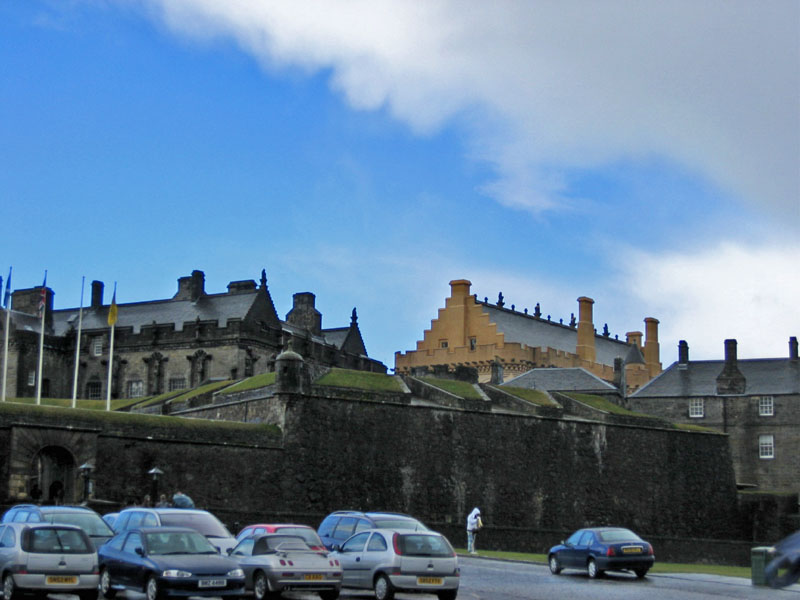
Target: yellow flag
112, 311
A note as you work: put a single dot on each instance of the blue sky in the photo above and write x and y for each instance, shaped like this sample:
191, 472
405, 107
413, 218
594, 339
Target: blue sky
646, 155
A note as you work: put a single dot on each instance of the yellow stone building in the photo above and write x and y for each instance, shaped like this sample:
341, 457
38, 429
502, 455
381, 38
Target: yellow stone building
471, 333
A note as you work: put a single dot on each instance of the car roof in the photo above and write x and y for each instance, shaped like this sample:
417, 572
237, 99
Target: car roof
162, 530
165, 510
401, 530
41, 525
59, 508
277, 525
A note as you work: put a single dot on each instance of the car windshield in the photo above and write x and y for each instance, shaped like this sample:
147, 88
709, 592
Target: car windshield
91, 523
52, 540
398, 523
618, 535
178, 542
309, 535
205, 523
423, 545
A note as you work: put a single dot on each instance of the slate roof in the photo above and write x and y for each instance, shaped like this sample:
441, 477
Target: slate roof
541, 333
571, 379
772, 376
213, 307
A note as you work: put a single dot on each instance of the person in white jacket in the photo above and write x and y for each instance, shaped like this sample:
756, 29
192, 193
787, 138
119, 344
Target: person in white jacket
474, 523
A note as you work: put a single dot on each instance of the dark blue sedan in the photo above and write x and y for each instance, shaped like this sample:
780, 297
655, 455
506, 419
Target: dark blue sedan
602, 549
167, 561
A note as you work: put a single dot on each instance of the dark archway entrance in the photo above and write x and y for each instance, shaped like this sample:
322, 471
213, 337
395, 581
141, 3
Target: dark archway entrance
53, 476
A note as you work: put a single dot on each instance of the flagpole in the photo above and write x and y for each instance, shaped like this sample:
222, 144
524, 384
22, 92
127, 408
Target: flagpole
43, 303
7, 302
112, 321
78, 348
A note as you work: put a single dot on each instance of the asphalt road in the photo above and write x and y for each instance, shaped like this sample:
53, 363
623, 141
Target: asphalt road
488, 579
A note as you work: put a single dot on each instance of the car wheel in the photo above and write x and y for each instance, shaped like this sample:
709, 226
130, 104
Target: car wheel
329, 595
640, 573
594, 572
10, 591
260, 586
152, 590
383, 588
555, 566
447, 594
105, 585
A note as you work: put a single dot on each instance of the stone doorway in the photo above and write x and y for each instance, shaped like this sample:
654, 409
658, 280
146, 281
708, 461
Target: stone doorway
53, 477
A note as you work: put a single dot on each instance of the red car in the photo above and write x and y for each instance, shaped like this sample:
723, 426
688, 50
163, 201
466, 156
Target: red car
308, 534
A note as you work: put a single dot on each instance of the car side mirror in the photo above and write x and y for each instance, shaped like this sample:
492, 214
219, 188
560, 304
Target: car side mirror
229, 551
336, 548
139, 551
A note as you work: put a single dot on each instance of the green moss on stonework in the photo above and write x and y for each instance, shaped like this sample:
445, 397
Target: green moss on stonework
252, 383
362, 380
537, 397
462, 389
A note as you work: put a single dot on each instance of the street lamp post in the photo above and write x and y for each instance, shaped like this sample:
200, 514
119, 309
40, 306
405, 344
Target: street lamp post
86, 472
155, 472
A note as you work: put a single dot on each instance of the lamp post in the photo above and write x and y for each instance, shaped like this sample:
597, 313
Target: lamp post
86, 472
155, 472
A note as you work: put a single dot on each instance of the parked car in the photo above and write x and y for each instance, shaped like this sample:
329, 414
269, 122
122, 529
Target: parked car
109, 518
167, 561
340, 525
783, 568
308, 534
44, 558
81, 516
399, 560
601, 549
277, 562
199, 520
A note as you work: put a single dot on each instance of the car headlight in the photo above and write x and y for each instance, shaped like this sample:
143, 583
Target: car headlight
175, 573
236, 573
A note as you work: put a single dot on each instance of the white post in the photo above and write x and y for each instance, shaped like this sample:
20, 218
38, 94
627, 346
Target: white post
43, 304
78, 348
5, 349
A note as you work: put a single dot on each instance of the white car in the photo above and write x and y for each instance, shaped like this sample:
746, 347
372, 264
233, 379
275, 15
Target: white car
399, 560
278, 562
47, 558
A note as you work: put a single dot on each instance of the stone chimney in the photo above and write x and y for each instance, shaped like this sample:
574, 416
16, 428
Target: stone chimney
683, 353
730, 380
585, 348
652, 351
97, 294
192, 287
457, 308
634, 337
793, 348
304, 314
27, 301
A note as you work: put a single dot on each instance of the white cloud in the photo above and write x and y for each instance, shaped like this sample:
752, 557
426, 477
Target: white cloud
727, 291
713, 85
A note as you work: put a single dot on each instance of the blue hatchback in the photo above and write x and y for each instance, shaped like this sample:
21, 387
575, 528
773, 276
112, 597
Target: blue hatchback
601, 549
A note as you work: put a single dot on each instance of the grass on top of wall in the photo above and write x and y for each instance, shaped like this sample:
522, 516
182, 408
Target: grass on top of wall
116, 403
252, 383
105, 418
600, 403
362, 380
537, 397
459, 388
693, 427
203, 389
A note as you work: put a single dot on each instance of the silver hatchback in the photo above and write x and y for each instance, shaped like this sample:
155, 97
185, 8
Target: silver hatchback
47, 558
399, 560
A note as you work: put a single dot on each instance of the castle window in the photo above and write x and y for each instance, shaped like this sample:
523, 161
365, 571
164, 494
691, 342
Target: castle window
31, 377
766, 406
473, 343
696, 408
135, 388
766, 446
97, 346
94, 390
177, 383
443, 343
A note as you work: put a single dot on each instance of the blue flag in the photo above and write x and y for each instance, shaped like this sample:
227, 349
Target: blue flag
7, 297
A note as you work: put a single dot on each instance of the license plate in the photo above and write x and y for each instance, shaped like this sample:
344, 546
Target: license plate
208, 583
430, 581
314, 577
632, 550
61, 580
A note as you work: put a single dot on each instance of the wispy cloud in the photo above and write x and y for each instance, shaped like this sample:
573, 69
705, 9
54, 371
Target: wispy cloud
713, 86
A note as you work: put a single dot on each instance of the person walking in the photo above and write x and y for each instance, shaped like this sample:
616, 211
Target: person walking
474, 523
